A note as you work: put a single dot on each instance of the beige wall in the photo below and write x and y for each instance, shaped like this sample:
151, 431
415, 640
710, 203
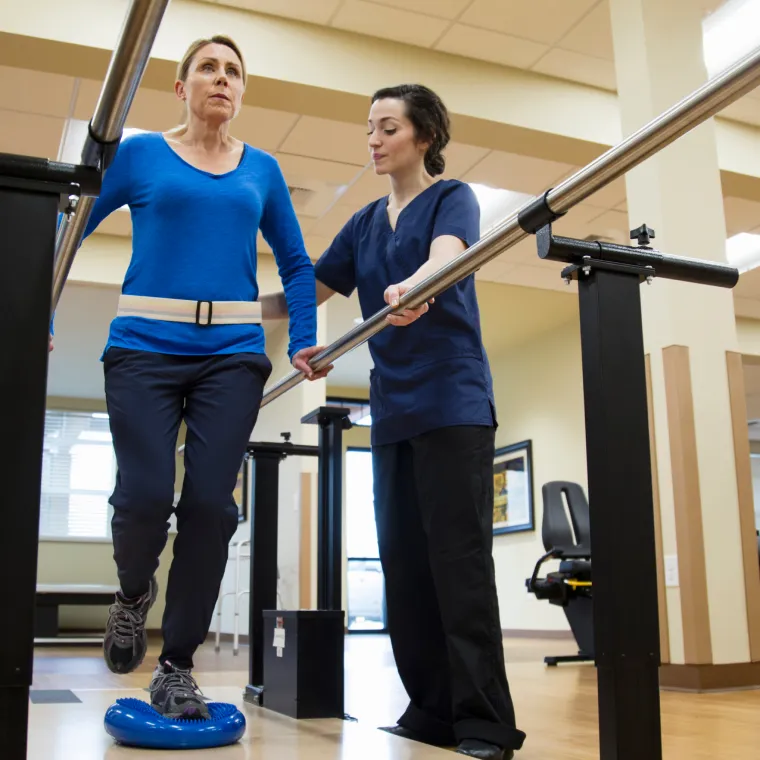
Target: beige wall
539, 396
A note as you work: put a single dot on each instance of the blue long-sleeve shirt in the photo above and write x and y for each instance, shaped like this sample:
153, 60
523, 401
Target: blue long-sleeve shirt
194, 237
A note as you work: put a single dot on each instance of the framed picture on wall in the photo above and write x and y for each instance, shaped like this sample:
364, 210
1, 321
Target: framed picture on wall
242, 488
513, 489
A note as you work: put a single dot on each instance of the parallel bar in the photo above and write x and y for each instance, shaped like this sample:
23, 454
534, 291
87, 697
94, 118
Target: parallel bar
286, 449
27, 221
696, 108
698, 271
125, 71
57, 177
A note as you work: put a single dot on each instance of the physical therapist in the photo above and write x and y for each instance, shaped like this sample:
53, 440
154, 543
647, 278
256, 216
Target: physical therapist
433, 431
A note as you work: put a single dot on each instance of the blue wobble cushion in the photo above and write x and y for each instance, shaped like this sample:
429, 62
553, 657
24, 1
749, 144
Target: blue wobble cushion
135, 723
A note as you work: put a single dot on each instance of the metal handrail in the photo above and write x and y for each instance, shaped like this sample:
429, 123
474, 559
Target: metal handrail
688, 113
125, 71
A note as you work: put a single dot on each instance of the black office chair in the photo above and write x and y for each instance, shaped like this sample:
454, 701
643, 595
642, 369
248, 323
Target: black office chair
567, 537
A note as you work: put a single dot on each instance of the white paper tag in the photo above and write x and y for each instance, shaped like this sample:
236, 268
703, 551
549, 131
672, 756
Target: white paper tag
279, 638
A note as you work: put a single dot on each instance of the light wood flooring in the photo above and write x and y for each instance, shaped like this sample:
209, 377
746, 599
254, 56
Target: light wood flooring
556, 708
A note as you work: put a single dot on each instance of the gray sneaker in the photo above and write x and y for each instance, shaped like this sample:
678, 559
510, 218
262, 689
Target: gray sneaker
175, 694
126, 642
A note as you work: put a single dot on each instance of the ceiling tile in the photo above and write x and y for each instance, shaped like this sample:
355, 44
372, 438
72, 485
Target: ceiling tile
155, 111
522, 174
315, 11
540, 276
593, 35
367, 188
27, 134
330, 140
540, 20
448, 9
485, 45
298, 169
613, 225
262, 127
332, 222
389, 23
316, 246
609, 196
35, 91
577, 67
741, 215
460, 158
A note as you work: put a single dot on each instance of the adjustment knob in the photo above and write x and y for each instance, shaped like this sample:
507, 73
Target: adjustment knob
642, 234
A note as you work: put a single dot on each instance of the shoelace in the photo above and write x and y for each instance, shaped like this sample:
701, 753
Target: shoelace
178, 679
125, 621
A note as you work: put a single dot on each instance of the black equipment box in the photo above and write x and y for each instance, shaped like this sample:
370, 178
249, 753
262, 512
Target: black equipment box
304, 663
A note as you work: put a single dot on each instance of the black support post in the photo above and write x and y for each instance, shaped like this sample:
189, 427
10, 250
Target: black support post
265, 479
626, 628
263, 562
27, 243
332, 421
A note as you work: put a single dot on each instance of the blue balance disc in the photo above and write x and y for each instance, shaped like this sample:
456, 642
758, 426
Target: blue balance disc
135, 723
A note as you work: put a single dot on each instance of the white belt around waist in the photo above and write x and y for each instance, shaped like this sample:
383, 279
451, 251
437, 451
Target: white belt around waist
203, 313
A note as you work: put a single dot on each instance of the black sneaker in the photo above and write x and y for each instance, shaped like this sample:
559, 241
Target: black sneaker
175, 694
126, 642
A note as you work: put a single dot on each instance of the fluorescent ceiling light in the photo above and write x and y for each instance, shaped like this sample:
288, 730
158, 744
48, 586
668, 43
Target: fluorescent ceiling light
730, 33
743, 251
496, 204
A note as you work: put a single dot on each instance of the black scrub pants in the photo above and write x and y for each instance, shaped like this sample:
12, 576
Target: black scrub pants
148, 395
434, 514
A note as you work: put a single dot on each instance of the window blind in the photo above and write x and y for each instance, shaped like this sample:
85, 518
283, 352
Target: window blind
78, 475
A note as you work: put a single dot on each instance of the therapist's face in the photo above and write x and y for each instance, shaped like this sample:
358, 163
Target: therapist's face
393, 144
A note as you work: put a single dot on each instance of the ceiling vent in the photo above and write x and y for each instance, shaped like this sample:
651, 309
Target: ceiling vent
300, 197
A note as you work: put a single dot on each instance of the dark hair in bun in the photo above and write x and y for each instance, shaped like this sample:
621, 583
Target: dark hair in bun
430, 118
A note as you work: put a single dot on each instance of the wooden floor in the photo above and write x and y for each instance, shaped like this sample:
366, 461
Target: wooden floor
556, 707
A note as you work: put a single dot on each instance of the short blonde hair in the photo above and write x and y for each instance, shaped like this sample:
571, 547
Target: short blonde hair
218, 39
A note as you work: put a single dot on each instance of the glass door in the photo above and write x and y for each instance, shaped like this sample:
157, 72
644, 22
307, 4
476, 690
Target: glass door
365, 583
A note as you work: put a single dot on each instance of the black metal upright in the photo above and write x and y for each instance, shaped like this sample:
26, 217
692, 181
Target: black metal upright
266, 458
27, 243
263, 562
332, 421
626, 627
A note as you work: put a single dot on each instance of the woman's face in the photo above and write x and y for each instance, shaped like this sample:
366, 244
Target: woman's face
214, 86
393, 144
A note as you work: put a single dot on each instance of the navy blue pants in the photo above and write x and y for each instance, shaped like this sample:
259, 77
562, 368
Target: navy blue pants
434, 515
148, 395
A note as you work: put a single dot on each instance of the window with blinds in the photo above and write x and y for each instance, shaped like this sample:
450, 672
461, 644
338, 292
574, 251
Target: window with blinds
78, 474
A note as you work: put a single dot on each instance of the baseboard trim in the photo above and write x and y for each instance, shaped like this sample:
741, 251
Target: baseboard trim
517, 633
706, 678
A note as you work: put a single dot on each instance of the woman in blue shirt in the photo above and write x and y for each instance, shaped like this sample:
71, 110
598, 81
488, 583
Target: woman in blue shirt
433, 429
187, 343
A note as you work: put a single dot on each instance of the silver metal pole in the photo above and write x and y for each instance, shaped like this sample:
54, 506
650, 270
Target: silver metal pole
696, 108
125, 71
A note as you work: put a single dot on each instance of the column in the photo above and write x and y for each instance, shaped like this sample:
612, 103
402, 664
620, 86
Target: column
709, 581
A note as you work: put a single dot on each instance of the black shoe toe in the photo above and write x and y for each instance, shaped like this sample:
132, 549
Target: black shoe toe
483, 750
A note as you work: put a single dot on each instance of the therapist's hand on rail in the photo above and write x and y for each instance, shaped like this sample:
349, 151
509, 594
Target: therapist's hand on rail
407, 316
301, 363
50, 342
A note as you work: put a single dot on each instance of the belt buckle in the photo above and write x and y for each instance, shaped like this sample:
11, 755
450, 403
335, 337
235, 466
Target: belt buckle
198, 313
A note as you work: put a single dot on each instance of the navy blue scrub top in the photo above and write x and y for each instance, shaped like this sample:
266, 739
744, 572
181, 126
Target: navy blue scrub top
433, 373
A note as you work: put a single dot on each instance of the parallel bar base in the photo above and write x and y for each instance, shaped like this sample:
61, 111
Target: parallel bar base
14, 706
254, 695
